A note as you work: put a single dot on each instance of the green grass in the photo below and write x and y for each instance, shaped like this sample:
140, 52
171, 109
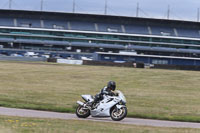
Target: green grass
150, 93
28, 125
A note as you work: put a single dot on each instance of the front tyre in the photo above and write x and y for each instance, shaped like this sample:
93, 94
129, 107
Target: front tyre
82, 112
118, 114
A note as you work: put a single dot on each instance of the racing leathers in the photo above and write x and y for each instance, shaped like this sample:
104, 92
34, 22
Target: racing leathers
104, 91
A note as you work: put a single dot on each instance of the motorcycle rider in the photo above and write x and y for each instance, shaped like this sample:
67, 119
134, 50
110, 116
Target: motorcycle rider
107, 90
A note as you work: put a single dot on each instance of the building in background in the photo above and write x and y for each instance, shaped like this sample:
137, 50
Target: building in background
74, 36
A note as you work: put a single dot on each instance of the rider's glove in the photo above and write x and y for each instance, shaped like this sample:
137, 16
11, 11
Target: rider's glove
112, 94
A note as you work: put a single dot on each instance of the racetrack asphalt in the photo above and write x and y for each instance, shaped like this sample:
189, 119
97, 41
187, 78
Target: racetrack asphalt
68, 116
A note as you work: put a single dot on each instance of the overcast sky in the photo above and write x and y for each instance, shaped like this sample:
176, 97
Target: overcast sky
179, 9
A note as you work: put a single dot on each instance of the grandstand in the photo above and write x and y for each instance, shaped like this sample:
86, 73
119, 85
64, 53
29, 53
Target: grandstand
73, 35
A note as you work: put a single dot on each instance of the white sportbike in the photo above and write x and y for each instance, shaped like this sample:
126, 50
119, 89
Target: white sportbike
110, 106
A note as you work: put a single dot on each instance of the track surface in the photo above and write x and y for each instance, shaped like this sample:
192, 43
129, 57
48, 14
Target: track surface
67, 116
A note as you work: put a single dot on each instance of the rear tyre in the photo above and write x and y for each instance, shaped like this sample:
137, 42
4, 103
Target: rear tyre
118, 114
82, 112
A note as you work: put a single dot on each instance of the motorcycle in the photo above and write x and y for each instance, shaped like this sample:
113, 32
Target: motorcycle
110, 106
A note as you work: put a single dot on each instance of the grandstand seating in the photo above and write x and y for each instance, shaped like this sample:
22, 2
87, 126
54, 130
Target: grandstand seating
96, 45
7, 39
6, 21
149, 36
55, 24
183, 32
108, 27
165, 49
164, 31
85, 26
29, 23
134, 28
32, 41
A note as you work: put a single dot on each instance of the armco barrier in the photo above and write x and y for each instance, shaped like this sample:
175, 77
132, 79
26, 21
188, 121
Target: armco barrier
177, 67
13, 58
52, 60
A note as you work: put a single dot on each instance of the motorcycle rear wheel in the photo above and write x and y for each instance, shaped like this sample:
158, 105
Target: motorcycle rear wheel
118, 114
82, 112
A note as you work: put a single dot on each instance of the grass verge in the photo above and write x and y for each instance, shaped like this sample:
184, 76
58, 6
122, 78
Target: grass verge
157, 94
27, 125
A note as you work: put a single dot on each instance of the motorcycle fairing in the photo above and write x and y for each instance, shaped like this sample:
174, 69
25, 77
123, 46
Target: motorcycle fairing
103, 108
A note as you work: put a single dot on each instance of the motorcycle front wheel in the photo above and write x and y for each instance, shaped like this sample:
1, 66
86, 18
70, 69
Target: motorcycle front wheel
82, 112
118, 114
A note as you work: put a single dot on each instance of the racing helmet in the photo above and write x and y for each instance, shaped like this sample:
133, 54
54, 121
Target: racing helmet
111, 85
